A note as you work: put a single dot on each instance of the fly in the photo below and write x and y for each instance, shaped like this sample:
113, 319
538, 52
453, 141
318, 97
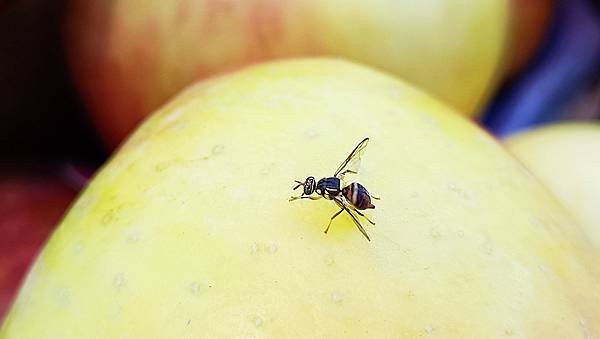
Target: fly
352, 198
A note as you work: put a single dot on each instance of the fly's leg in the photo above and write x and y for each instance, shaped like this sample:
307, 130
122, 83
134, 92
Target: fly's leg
374, 197
300, 183
333, 217
356, 222
362, 215
306, 197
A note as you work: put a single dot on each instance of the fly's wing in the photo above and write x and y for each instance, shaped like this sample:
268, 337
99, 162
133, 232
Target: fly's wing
352, 162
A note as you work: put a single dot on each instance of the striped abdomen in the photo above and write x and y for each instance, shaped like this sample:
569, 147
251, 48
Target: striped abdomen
358, 196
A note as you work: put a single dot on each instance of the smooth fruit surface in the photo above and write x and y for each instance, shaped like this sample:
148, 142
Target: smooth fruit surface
188, 231
566, 157
129, 57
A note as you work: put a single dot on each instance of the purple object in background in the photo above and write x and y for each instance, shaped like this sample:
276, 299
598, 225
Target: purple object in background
566, 65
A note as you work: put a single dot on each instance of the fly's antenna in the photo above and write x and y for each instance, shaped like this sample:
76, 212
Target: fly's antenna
300, 183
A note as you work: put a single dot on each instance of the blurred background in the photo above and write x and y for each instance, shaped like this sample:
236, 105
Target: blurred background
77, 76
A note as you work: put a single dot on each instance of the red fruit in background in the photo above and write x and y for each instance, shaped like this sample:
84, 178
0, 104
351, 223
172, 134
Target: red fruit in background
530, 21
30, 207
128, 57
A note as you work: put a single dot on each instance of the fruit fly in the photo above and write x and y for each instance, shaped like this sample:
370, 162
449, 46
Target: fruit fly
352, 198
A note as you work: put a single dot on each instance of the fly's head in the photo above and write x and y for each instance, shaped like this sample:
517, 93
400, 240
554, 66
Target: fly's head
310, 185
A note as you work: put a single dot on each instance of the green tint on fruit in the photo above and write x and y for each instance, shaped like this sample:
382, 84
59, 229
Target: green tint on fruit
188, 231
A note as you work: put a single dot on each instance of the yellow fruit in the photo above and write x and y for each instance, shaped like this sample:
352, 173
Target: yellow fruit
128, 57
566, 158
188, 231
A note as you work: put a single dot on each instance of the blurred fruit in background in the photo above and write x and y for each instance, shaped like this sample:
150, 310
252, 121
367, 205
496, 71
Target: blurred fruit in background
41, 122
31, 204
565, 68
566, 158
128, 57
187, 231
529, 24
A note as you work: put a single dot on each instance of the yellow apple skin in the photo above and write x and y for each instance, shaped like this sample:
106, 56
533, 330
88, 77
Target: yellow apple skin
129, 57
188, 232
566, 158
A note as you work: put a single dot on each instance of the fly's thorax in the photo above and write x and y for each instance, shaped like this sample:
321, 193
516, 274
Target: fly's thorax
329, 187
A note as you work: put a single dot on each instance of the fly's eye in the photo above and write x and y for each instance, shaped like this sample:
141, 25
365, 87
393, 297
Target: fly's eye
308, 189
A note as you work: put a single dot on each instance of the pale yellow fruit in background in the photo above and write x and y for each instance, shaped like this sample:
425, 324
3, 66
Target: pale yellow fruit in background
187, 232
129, 57
566, 158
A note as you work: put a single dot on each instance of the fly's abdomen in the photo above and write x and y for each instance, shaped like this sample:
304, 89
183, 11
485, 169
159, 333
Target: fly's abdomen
358, 196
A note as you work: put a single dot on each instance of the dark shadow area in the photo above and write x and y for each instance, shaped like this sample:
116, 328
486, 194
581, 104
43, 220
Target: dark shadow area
41, 117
